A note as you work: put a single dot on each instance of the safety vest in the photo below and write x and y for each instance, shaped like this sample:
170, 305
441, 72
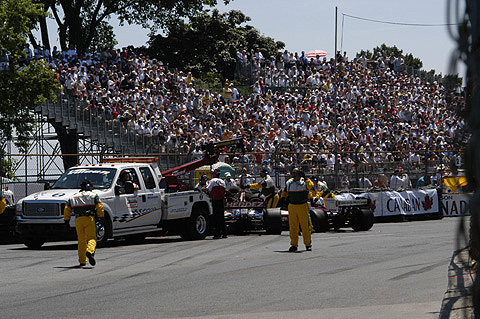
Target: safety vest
297, 191
83, 203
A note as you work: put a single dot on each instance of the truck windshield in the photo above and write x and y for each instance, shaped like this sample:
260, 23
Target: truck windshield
100, 177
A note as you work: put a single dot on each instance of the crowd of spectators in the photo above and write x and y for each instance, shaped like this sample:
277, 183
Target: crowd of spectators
376, 116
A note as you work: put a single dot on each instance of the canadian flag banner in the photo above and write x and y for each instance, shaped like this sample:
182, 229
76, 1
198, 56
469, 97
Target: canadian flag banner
403, 203
411, 202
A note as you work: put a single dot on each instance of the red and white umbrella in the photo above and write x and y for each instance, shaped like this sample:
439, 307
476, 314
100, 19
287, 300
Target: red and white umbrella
314, 53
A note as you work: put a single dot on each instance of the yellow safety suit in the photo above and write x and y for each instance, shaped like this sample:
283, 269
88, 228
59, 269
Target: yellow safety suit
268, 190
84, 205
298, 194
3, 203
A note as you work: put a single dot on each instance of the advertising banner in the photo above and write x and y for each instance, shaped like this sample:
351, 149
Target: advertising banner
404, 203
375, 203
455, 204
410, 202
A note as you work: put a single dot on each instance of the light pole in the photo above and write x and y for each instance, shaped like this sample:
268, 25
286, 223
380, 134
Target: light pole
335, 105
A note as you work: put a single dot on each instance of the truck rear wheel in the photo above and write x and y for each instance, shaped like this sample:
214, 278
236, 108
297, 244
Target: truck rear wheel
361, 219
196, 227
33, 243
272, 221
319, 221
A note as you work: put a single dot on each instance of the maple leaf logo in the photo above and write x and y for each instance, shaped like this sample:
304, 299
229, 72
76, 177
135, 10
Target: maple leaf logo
372, 205
427, 203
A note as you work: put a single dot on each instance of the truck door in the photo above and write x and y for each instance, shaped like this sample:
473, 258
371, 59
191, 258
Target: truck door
149, 198
126, 204
140, 208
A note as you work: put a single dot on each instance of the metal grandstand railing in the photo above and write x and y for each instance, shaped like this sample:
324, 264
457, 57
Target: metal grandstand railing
95, 124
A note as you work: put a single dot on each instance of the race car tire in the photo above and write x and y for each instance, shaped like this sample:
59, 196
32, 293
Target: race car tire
319, 220
196, 227
272, 221
339, 221
362, 219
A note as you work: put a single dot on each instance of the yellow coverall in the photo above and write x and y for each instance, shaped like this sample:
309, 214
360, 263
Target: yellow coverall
268, 190
3, 203
298, 211
84, 205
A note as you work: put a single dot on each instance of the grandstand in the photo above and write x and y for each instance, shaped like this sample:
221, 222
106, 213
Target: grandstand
120, 103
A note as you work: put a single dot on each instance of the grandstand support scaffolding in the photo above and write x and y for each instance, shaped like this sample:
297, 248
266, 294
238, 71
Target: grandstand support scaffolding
43, 160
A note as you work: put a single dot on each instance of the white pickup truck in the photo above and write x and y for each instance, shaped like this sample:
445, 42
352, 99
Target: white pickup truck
131, 212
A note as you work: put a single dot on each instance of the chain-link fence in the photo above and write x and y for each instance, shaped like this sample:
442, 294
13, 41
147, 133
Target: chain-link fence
352, 170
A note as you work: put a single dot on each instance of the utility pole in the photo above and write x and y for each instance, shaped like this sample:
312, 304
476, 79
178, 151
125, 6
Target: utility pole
335, 104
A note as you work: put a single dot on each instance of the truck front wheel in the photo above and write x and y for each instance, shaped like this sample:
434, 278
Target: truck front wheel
196, 227
103, 231
33, 243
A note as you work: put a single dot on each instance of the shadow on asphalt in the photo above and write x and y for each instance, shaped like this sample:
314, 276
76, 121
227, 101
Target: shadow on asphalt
288, 252
69, 246
74, 267
52, 246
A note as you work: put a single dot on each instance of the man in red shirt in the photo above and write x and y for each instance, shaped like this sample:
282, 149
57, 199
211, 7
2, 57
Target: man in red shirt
216, 190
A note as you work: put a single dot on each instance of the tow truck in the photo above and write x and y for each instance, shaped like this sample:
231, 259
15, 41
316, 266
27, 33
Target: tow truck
130, 212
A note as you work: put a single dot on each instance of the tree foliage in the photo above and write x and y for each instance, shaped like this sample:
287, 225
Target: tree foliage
22, 85
386, 51
209, 42
83, 23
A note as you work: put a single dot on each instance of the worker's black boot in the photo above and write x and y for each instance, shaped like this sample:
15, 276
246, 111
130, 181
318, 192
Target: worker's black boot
91, 260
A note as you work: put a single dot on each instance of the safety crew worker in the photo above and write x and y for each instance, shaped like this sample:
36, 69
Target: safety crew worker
9, 197
267, 187
323, 193
3, 203
84, 205
297, 193
216, 190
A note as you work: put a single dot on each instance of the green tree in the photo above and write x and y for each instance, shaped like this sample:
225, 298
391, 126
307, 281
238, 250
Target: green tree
386, 51
412, 61
81, 22
209, 42
22, 85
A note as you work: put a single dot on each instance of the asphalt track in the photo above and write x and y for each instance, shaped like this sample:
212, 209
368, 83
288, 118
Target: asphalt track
395, 270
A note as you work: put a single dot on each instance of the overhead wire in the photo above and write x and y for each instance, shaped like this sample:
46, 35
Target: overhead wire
391, 23
400, 23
